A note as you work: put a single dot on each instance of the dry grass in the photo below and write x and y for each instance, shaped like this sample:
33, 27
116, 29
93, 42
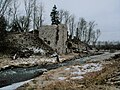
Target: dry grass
91, 81
63, 85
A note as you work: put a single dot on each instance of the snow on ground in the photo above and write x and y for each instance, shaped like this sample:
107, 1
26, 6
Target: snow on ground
67, 69
61, 78
92, 67
54, 54
5, 66
14, 86
77, 77
33, 61
53, 60
79, 71
37, 50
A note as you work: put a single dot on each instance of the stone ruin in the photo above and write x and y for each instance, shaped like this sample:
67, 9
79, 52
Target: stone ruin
55, 36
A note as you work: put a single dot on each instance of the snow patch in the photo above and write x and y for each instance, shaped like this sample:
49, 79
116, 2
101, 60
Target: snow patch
61, 78
81, 70
91, 67
77, 77
14, 86
37, 50
5, 66
54, 54
78, 72
53, 60
67, 69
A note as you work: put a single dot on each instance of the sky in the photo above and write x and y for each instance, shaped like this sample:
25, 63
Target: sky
106, 13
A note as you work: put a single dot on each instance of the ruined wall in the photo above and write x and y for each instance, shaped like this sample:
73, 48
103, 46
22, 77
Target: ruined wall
55, 36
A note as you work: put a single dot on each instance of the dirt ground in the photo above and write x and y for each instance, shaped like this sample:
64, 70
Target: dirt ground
106, 77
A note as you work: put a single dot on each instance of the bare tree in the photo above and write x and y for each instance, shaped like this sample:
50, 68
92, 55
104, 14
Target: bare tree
66, 17
82, 29
33, 16
9, 16
15, 9
86, 33
71, 26
95, 35
22, 23
28, 11
34, 13
91, 26
3, 6
39, 15
61, 15
14, 18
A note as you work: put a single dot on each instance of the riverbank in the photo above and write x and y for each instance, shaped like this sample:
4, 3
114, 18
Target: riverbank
15, 73
6, 62
92, 63
98, 73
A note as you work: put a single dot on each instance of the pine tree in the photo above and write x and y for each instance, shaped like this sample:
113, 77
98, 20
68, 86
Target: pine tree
55, 16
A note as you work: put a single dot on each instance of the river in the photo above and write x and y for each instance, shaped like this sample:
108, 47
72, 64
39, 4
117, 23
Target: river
15, 75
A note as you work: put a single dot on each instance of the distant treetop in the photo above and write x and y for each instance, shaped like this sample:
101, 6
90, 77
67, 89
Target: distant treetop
55, 16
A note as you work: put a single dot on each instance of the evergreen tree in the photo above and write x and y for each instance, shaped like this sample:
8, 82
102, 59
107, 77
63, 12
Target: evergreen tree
55, 16
3, 25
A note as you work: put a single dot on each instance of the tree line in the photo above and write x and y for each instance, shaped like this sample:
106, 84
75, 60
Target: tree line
32, 16
80, 29
108, 45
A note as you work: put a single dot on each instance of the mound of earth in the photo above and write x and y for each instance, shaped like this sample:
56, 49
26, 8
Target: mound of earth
26, 42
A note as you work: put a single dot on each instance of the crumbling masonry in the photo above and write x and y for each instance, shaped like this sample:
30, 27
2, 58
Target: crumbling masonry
55, 36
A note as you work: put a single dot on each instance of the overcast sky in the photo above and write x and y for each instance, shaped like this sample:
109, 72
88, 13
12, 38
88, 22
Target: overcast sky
106, 13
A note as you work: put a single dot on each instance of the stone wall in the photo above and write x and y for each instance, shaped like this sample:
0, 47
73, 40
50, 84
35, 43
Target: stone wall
55, 36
